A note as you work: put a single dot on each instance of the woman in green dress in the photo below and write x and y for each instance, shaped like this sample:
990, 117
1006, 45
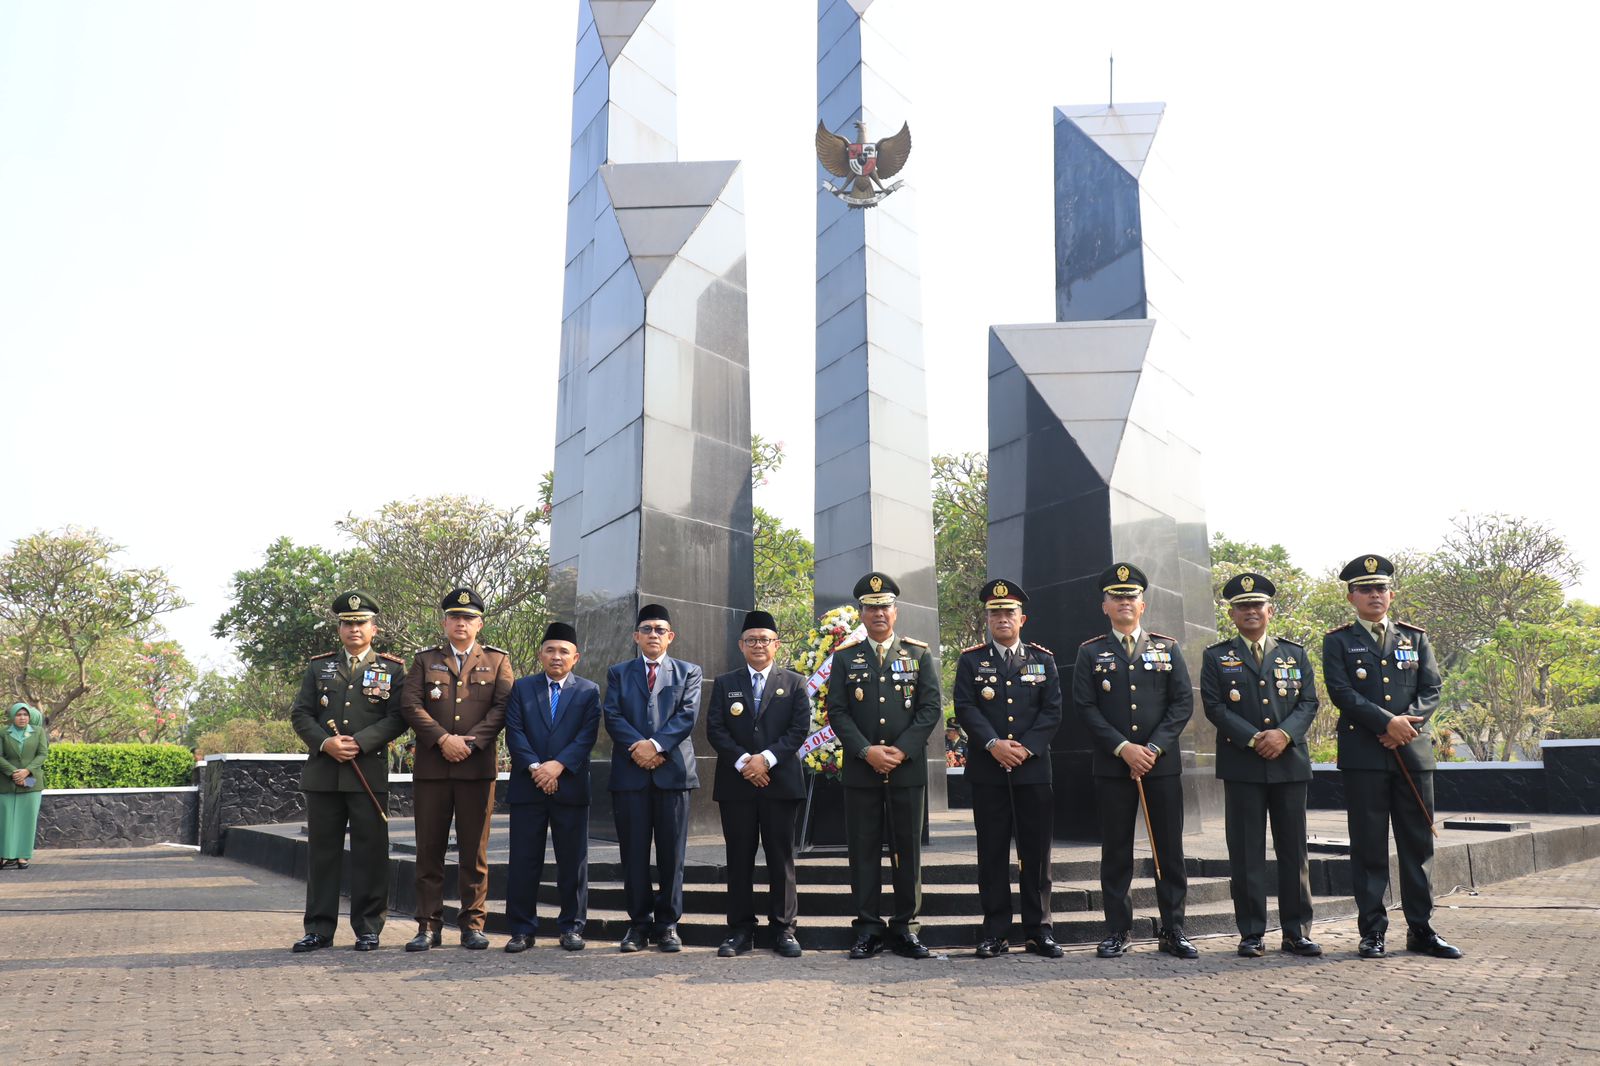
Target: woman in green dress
23, 747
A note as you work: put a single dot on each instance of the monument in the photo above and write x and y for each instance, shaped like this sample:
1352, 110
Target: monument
1091, 453
652, 499
873, 507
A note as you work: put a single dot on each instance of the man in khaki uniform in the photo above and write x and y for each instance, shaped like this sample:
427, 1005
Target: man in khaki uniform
455, 700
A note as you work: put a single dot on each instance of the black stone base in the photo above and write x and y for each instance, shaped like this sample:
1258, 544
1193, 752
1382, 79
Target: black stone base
117, 817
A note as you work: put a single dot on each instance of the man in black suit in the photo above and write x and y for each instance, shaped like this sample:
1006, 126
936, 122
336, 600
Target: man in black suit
1258, 690
651, 703
758, 717
552, 720
1132, 688
1382, 676
1008, 699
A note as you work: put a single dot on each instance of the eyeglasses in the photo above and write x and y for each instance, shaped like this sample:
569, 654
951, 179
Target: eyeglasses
1370, 589
758, 642
655, 631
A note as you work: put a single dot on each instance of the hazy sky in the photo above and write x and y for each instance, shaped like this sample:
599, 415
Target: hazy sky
265, 264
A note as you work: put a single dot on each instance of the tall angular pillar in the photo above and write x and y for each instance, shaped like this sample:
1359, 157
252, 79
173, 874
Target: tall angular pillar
624, 110
874, 510
652, 495
1091, 453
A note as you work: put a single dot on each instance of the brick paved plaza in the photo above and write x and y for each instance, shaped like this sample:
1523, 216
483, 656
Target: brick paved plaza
161, 955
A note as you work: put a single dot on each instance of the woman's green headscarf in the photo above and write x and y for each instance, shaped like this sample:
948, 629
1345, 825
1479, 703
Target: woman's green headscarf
17, 734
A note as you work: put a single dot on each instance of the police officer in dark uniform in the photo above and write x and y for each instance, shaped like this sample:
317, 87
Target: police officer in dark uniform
1132, 688
1260, 693
883, 702
1008, 699
1382, 676
358, 689
455, 700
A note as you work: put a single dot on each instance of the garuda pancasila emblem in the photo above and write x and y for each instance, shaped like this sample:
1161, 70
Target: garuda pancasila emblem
864, 165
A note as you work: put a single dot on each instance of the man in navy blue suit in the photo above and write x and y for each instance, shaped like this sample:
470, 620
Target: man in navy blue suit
552, 721
757, 719
650, 706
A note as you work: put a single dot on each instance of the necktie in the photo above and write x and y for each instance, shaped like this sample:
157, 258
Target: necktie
1127, 643
883, 650
1255, 649
650, 675
1377, 634
355, 663
461, 663
555, 698
755, 689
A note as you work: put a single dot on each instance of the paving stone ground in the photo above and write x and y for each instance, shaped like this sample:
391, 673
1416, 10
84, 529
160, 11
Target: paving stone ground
162, 955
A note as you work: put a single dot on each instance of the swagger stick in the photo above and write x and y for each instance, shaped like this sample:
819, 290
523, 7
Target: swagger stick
360, 776
1149, 833
1427, 815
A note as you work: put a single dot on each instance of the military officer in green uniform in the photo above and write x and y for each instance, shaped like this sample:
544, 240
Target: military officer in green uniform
1132, 690
883, 702
1260, 693
359, 690
1008, 699
1382, 676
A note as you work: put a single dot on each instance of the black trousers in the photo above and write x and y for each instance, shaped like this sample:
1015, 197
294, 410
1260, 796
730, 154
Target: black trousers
532, 824
1250, 806
1375, 800
470, 804
1034, 823
1118, 800
327, 816
872, 817
660, 815
772, 821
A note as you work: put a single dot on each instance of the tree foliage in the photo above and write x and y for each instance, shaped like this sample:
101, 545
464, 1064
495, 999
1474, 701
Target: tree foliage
960, 551
80, 639
280, 614
785, 560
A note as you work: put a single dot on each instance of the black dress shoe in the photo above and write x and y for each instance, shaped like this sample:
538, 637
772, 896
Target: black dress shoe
633, 940
907, 946
1305, 947
866, 946
519, 942
1174, 943
571, 941
668, 941
425, 940
737, 944
1251, 947
786, 945
1113, 946
473, 940
1045, 946
366, 942
1427, 942
1372, 947
991, 947
311, 942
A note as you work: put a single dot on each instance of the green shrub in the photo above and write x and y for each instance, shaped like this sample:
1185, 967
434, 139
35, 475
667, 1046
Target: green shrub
1325, 750
271, 737
1577, 723
118, 766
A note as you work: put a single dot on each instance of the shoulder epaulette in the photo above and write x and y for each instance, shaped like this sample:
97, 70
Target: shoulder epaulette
849, 644
1220, 644
1041, 647
1286, 640
325, 655
914, 642
1341, 629
491, 647
975, 647
1161, 636
1410, 625
1091, 640
391, 657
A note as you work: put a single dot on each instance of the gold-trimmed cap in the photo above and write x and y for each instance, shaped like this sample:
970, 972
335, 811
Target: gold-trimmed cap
1002, 593
462, 601
876, 590
357, 605
1249, 588
1123, 577
1367, 570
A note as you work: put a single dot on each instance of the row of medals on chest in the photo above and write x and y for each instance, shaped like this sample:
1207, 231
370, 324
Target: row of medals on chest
1286, 671
902, 670
375, 683
1032, 674
1156, 657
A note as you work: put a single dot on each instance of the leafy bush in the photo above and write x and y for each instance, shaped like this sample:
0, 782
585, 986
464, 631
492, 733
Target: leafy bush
1577, 723
118, 766
274, 737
